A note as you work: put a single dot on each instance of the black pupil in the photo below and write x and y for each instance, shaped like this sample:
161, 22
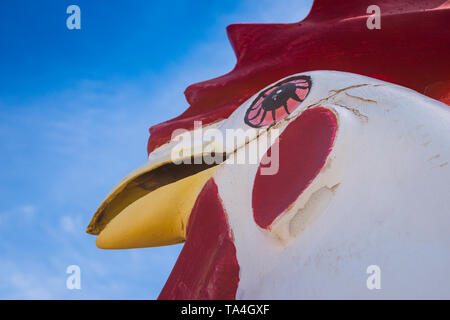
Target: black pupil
279, 96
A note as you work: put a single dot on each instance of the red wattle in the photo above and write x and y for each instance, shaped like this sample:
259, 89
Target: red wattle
207, 267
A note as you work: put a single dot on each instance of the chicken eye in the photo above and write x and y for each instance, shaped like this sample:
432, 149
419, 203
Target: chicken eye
278, 101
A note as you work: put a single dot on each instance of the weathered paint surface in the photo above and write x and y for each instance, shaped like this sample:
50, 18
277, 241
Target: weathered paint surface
207, 267
381, 199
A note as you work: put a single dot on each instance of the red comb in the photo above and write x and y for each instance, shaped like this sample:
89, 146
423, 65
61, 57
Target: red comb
412, 49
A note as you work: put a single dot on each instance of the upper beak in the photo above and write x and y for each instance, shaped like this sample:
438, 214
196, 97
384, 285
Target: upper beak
151, 205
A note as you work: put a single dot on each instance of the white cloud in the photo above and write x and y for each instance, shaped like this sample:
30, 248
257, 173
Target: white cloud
22, 214
71, 225
27, 281
27, 286
28, 212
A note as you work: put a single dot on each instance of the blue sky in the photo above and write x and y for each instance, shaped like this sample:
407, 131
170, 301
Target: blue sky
75, 108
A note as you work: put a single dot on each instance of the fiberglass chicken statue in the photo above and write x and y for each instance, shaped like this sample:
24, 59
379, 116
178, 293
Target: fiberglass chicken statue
355, 175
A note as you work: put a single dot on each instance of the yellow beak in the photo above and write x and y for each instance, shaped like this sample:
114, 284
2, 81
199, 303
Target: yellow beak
149, 207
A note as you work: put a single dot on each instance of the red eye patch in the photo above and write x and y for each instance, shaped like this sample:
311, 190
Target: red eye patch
303, 149
278, 101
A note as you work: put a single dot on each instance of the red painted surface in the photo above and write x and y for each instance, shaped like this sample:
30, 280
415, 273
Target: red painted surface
207, 267
411, 49
439, 90
303, 149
